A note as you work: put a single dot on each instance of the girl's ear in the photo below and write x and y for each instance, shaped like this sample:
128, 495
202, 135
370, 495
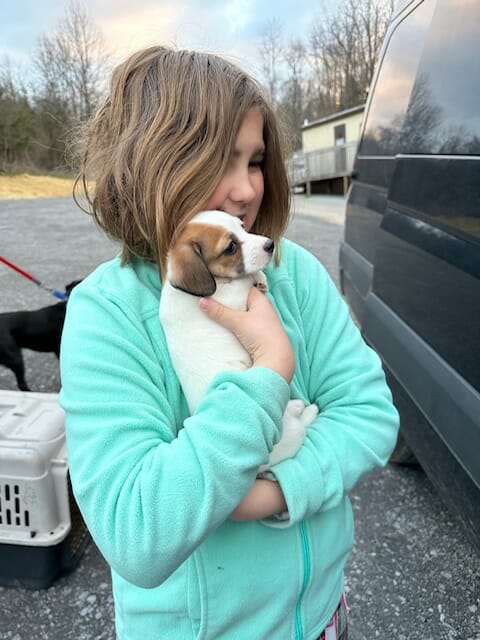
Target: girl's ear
188, 270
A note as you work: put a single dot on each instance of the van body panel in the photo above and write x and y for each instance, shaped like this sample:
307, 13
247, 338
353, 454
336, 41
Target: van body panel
410, 260
439, 392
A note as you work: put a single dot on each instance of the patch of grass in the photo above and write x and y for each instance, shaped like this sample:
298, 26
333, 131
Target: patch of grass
29, 186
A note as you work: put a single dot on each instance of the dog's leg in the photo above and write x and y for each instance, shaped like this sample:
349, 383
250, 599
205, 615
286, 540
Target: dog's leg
19, 372
11, 357
21, 383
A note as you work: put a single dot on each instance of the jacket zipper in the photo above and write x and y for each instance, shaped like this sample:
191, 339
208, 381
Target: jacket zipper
306, 578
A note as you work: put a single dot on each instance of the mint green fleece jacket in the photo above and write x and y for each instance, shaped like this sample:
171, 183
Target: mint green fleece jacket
156, 486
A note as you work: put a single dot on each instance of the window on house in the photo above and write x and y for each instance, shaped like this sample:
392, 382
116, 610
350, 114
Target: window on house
339, 135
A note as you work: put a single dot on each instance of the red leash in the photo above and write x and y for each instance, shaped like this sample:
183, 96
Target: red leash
25, 274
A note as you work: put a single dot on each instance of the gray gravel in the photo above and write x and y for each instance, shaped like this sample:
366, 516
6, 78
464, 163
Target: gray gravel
413, 575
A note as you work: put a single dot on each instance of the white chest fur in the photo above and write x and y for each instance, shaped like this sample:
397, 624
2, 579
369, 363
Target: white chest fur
199, 347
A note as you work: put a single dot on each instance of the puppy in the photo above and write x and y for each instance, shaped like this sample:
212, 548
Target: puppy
214, 256
39, 330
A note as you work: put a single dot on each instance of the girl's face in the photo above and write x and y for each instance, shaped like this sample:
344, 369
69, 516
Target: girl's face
240, 191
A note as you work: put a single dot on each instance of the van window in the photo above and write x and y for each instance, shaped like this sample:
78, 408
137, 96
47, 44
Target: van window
394, 84
444, 115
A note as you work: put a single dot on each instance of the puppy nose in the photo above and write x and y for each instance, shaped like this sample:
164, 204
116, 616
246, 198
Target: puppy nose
269, 246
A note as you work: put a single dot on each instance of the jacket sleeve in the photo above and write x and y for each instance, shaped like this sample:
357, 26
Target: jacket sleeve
151, 489
357, 425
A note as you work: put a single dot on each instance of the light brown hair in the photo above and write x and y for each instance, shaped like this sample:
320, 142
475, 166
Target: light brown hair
157, 148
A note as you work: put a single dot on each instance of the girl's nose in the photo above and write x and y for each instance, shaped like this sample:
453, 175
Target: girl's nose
242, 189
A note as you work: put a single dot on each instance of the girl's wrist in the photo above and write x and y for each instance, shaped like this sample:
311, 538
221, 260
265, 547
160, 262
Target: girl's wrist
265, 499
284, 366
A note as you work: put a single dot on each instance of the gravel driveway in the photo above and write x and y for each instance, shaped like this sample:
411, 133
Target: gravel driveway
412, 576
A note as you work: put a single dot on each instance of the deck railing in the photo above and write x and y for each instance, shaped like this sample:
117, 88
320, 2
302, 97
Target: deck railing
325, 164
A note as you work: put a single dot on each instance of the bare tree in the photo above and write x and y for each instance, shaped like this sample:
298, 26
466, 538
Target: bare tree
71, 64
343, 50
292, 100
325, 87
369, 21
89, 59
271, 49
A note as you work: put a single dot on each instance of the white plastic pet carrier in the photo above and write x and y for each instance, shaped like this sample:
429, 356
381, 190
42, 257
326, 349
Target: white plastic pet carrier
41, 531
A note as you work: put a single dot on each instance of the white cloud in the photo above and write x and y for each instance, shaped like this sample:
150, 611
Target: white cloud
212, 26
238, 14
137, 27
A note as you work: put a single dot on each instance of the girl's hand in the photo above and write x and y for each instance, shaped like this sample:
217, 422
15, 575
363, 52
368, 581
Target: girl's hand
264, 499
258, 329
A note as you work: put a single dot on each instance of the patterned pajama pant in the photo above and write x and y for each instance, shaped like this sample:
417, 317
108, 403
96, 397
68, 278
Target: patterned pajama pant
337, 628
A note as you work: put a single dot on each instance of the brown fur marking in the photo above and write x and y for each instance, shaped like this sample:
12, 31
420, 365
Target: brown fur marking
198, 257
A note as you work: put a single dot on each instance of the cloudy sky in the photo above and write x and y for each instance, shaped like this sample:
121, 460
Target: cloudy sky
231, 27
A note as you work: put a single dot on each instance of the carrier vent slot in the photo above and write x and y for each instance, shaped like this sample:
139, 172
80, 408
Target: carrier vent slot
11, 508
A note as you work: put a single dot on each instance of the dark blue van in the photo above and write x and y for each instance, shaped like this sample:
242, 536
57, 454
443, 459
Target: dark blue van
410, 260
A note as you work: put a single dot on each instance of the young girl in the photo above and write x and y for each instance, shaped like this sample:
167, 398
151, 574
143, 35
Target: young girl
198, 546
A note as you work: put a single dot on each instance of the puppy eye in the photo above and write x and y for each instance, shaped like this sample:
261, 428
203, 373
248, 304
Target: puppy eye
231, 249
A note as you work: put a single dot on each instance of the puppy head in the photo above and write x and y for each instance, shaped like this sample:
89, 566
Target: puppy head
214, 245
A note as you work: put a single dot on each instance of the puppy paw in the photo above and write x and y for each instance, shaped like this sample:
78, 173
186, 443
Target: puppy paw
261, 282
293, 434
309, 414
293, 409
296, 419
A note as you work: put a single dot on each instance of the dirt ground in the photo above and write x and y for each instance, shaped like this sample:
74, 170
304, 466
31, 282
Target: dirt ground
17, 187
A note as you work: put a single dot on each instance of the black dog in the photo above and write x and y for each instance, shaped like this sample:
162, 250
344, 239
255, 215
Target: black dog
39, 330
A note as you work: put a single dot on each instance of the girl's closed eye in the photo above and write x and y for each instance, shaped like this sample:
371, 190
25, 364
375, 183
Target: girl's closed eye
257, 163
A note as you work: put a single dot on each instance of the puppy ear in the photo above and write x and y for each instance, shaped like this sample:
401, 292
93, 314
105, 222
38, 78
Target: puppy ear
189, 272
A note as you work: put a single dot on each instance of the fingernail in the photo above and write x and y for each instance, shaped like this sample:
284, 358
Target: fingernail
204, 304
